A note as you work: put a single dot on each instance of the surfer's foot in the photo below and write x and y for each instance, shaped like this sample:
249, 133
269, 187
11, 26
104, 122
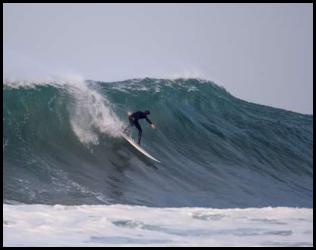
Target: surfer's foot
126, 131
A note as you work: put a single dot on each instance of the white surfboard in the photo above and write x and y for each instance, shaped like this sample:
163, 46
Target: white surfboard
130, 140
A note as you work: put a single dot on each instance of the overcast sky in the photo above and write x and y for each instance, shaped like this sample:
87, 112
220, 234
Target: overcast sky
261, 53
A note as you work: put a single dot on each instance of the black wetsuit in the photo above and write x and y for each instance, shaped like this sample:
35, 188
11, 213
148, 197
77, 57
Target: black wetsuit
133, 120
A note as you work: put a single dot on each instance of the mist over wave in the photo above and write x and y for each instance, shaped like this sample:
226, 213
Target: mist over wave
62, 145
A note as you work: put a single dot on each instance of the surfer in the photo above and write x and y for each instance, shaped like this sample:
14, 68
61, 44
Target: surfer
133, 120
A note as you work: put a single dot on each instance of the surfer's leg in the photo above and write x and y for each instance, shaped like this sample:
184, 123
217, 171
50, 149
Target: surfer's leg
127, 128
131, 123
139, 131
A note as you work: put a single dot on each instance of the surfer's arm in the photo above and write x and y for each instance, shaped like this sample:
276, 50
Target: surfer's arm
149, 121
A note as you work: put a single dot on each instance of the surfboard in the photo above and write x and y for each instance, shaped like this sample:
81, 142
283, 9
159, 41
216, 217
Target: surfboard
139, 148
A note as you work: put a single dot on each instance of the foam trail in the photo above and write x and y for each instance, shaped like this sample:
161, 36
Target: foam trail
91, 112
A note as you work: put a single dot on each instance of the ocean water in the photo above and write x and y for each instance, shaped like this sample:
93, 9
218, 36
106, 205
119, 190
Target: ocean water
125, 225
63, 156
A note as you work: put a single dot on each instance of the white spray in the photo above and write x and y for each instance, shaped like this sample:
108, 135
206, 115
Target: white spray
90, 112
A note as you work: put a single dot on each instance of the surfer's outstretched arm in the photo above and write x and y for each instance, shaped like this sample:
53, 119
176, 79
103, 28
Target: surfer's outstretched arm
150, 122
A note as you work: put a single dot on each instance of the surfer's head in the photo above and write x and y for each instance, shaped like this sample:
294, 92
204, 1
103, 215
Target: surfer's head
147, 112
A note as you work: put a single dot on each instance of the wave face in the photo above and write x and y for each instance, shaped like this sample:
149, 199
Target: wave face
62, 145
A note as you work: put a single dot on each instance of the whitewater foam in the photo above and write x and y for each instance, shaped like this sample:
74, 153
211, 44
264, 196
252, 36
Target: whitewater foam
91, 114
121, 225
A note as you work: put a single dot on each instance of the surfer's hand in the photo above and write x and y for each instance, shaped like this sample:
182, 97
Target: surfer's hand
152, 125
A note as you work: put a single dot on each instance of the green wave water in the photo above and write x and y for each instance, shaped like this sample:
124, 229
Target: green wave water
62, 145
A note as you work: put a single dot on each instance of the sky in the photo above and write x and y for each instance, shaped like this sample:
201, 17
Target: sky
261, 53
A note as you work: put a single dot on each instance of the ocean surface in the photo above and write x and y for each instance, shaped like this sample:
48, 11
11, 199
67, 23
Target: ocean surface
63, 151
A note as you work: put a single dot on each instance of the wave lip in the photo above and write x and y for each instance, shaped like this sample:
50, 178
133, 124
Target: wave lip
62, 144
